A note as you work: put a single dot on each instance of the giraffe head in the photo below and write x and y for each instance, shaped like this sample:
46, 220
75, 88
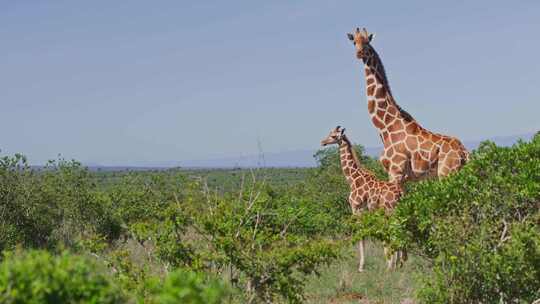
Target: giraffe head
335, 136
361, 40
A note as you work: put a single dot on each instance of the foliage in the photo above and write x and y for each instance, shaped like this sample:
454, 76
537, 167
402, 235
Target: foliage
188, 287
163, 234
39, 277
479, 226
261, 241
50, 207
265, 232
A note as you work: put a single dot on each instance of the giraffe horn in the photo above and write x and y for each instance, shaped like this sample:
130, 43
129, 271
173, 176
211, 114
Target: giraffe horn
358, 30
338, 127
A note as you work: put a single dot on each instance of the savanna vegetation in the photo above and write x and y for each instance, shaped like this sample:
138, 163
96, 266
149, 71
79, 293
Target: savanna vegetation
70, 235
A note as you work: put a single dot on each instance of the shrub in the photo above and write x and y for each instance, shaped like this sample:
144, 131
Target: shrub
182, 286
54, 206
480, 227
39, 277
252, 236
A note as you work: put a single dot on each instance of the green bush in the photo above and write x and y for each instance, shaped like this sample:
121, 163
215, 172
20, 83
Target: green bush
39, 277
187, 287
480, 227
254, 236
54, 206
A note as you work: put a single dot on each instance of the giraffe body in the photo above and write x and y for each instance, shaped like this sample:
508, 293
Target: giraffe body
410, 151
367, 191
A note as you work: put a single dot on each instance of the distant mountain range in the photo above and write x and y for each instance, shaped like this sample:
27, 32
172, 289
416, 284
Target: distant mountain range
294, 158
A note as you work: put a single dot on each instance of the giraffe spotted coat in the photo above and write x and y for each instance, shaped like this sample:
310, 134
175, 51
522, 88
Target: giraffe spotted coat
410, 151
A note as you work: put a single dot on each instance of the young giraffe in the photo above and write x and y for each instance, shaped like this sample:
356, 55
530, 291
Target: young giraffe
410, 151
367, 192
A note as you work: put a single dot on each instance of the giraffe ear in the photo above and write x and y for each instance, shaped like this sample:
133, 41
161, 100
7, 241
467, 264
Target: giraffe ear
370, 37
350, 36
342, 131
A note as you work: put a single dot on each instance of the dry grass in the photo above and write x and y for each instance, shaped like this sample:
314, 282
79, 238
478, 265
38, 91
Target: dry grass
342, 283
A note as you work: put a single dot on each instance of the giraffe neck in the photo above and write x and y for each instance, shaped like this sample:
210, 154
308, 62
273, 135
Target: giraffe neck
350, 164
382, 107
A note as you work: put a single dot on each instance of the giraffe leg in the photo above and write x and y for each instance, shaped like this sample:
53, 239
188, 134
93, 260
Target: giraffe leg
395, 259
361, 255
390, 258
403, 257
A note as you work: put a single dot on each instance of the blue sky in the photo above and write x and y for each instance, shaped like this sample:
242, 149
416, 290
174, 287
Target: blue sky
129, 82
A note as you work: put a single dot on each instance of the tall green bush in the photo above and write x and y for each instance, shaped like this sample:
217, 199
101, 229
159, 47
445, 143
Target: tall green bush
55, 205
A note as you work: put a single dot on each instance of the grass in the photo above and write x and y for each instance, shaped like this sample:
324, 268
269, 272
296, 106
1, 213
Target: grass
342, 283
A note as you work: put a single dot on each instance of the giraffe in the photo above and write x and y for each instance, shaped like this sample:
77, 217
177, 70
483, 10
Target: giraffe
411, 152
367, 192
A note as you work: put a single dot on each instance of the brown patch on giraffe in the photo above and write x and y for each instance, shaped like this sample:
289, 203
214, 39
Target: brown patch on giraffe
380, 114
398, 158
396, 126
420, 165
371, 105
427, 145
392, 110
370, 90
370, 80
400, 147
411, 128
382, 104
388, 118
381, 92
456, 145
389, 152
445, 148
435, 137
411, 143
397, 136
377, 123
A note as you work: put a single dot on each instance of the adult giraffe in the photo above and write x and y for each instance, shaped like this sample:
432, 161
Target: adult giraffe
410, 151
367, 192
